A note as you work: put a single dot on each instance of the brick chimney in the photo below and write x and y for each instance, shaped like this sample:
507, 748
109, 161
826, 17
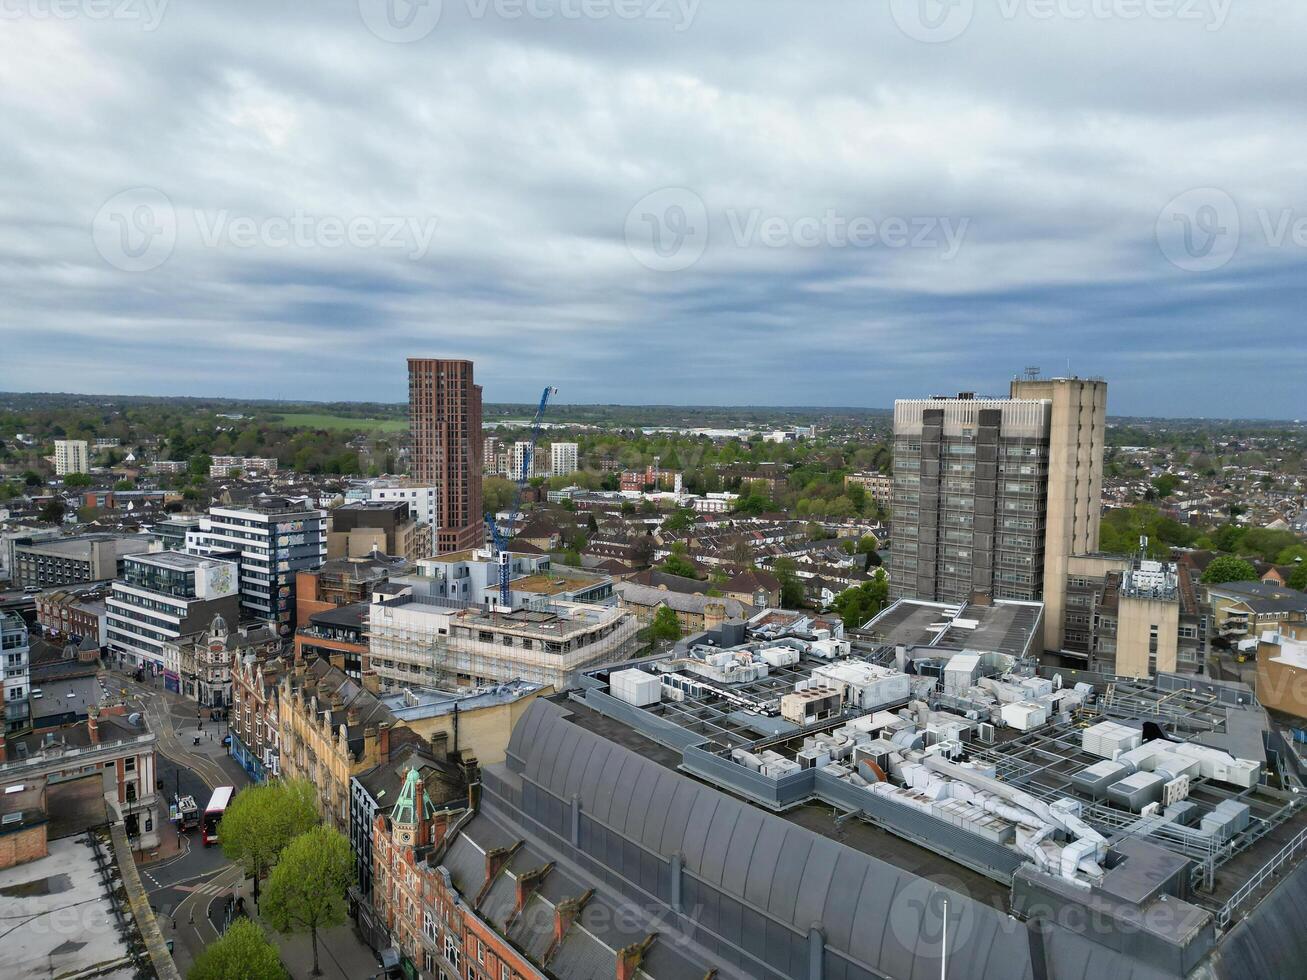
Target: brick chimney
630, 958
93, 724
383, 742
565, 913
371, 682
526, 886
352, 716
440, 746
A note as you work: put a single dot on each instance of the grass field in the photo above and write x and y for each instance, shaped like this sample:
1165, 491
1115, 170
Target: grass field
312, 421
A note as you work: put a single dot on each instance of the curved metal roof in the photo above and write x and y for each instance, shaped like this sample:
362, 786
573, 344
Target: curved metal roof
878, 914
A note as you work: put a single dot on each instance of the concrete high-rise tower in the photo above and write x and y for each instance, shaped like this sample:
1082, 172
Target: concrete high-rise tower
970, 480
1077, 434
994, 495
445, 422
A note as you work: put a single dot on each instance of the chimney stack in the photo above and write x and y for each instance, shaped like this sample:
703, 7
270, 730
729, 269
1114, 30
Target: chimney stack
383, 742
93, 724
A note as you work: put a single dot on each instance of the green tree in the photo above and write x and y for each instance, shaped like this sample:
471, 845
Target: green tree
1165, 485
496, 494
124, 485
680, 519
675, 564
53, 511
792, 594
1298, 578
307, 889
861, 603
665, 628
1228, 568
77, 480
242, 953
261, 821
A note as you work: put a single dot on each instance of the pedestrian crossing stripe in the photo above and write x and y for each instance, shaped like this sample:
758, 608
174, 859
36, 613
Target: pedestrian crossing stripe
212, 888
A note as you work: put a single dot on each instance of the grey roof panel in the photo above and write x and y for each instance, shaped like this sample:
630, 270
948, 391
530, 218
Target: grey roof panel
762, 874
869, 909
742, 853
713, 865
665, 784
790, 870
466, 864
696, 831
582, 957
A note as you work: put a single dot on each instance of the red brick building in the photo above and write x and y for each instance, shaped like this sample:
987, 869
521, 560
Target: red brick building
444, 406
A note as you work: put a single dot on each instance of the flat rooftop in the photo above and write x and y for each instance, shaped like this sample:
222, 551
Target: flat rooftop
554, 584
80, 545
819, 818
417, 703
59, 917
723, 716
1003, 627
179, 561
557, 621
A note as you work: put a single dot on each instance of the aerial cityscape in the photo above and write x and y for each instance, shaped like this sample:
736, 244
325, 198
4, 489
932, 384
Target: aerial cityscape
652, 490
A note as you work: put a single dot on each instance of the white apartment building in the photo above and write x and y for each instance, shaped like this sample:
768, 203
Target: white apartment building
161, 597
423, 642
517, 460
421, 502
492, 452
222, 466
14, 671
71, 456
564, 458
274, 537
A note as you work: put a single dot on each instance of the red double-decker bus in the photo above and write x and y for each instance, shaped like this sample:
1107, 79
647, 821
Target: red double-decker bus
214, 811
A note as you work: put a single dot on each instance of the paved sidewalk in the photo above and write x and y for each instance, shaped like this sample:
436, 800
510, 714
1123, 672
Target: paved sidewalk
341, 953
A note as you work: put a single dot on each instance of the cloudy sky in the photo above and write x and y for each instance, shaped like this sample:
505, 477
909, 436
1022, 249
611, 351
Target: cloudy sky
802, 202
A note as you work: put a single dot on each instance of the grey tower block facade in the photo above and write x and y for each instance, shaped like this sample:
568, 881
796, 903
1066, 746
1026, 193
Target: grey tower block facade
1077, 434
996, 495
970, 491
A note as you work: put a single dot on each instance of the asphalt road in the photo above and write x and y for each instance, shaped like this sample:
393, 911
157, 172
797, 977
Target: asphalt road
188, 892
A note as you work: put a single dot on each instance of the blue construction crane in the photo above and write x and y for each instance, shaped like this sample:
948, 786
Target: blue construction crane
500, 539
